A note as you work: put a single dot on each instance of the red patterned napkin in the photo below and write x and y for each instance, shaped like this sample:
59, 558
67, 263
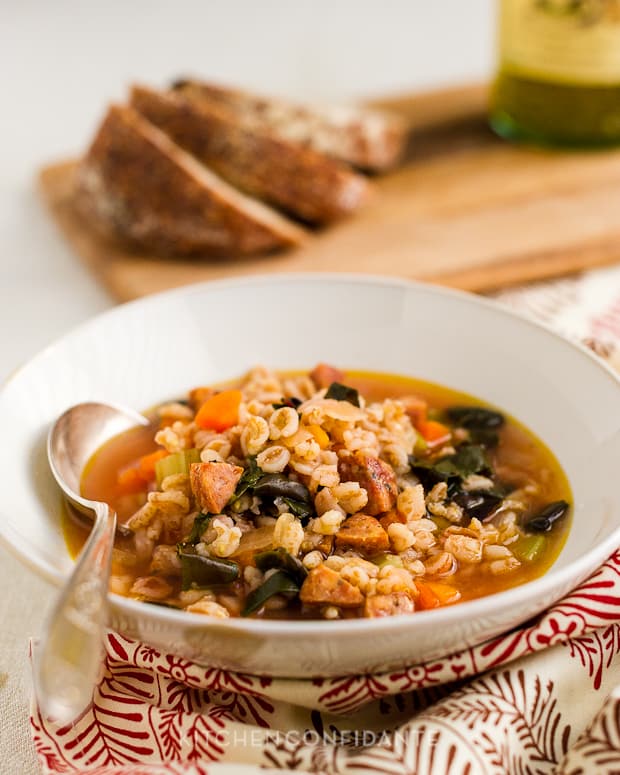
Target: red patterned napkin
152, 707
530, 701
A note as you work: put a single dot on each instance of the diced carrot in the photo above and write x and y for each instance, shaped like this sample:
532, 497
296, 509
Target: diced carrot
321, 438
435, 593
427, 598
146, 464
130, 480
434, 433
137, 476
220, 411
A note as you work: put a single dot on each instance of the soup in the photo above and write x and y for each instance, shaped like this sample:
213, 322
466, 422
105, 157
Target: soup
328, 495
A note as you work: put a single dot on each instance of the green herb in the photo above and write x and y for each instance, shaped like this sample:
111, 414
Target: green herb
177, 463
201, 523
282, 560
280, 583
341, 392
248, 480
202, 572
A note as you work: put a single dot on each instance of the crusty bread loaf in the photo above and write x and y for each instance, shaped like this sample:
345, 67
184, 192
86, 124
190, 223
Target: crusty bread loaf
137, 185
247, 154
368, 139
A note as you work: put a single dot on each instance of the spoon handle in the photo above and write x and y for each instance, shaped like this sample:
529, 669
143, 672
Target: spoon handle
68, 661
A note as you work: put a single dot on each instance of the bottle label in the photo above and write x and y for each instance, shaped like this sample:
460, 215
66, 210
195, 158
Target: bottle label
570, 41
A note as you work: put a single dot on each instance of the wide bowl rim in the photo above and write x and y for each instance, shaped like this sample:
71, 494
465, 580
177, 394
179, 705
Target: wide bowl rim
553, 579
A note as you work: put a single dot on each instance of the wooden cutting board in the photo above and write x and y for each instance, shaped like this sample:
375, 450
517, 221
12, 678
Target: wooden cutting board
465, 209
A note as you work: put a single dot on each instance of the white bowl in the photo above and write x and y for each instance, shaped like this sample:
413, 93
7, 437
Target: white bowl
158, 347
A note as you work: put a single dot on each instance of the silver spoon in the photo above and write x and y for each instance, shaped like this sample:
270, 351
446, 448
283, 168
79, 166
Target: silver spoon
68, 659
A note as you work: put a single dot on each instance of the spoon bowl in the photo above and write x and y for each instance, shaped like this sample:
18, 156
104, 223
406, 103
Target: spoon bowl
67, 661
76, 436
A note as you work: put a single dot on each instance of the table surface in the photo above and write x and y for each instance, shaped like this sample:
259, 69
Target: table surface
66, 60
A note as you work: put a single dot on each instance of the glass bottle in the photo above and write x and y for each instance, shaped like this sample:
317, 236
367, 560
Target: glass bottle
558, 79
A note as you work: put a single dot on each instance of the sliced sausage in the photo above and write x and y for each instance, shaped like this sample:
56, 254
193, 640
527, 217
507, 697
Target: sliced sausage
375, 476
391, 517
389, 605
324, 586
213, 484
416, 408
363, 534
323, 375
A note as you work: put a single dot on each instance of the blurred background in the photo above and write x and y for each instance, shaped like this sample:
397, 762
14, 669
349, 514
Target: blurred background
62, 61
66, 59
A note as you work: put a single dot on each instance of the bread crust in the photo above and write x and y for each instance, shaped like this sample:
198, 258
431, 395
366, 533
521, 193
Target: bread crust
135, 184
247, 154
372, 140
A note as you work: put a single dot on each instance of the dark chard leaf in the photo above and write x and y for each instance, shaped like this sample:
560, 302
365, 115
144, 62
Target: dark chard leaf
484, 436
201, 572
302, 510
544, 520
282, 560
280, 583
201, 523
291, 403
468, 459
475, 417
341, 392
248, 480
452, 469
426, 471
478, 504
278, 485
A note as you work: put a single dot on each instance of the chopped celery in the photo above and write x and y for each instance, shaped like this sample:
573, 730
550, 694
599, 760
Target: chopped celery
388, 559
177, 463
420, 446
441, 522
529, 548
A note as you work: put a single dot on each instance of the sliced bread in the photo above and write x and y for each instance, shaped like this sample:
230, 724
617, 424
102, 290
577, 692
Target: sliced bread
368, 139
137, 185
247, 154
